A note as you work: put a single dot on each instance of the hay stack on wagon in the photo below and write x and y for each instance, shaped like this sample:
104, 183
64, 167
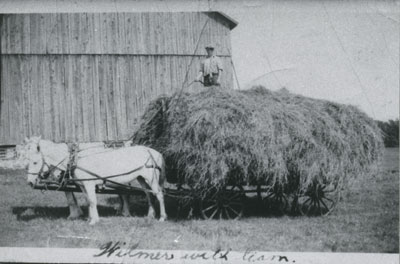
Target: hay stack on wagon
259, 137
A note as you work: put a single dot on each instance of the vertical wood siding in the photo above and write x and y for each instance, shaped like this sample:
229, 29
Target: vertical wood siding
114, 33
89, 77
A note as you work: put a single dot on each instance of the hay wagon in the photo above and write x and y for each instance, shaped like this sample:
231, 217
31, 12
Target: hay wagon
228, 202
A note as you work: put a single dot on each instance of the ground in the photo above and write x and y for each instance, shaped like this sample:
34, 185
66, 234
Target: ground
366, 220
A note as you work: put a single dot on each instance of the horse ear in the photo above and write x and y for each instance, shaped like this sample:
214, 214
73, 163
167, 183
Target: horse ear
26, 140
40, 137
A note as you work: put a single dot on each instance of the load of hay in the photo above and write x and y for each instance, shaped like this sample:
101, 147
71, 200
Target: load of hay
218, 137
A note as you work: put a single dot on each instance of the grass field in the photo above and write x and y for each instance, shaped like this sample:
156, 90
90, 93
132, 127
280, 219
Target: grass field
366, 220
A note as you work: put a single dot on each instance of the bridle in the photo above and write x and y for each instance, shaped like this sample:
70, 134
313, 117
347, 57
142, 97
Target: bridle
51, 168
40, 172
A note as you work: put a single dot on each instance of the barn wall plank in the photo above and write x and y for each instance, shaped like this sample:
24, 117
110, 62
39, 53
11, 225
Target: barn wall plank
5, 125
59, 102
68, 122
102, 96
115, 96
97, 133
85, 99
3, 117
3, 30
107, 87
11, 91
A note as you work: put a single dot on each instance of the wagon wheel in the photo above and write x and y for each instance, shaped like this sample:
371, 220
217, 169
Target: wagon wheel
276, 200
318, 200
227, 204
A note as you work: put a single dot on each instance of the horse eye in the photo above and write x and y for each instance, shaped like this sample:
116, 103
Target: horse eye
35, 163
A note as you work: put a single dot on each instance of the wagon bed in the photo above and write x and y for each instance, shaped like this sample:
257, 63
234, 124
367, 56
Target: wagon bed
227, 203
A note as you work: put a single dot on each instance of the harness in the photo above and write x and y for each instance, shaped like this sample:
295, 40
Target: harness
67, 176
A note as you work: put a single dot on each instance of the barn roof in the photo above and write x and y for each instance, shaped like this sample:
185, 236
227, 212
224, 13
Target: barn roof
231, 22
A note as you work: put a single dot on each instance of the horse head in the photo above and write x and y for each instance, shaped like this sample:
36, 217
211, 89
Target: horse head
36, 166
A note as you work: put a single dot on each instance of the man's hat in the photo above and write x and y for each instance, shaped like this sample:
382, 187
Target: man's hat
209, 46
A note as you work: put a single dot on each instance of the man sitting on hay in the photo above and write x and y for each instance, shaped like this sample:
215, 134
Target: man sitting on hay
210, 68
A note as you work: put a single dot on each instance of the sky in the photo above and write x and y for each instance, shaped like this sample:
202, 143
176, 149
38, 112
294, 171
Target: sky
347, 52
343, 51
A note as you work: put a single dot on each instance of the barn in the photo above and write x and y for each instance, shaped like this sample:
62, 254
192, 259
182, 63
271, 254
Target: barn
87, 77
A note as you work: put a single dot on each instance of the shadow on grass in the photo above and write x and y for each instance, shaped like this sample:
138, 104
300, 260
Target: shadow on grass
27, 213
179, 210
176, 209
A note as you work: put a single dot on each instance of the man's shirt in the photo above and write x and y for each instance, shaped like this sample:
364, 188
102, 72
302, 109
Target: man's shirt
211, 65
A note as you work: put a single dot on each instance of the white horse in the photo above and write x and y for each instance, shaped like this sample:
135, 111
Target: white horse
55, 174
132, 163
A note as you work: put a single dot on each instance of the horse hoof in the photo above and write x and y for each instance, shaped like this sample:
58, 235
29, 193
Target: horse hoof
73, 217
162, 219
126, 214
93, 222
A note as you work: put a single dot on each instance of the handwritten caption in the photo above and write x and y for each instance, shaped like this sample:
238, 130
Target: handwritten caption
123, 250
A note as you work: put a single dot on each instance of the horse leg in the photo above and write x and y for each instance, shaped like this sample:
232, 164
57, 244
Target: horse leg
160, 198
124, 204
152, 212
153, 180
90, 190
121, 204
74, 210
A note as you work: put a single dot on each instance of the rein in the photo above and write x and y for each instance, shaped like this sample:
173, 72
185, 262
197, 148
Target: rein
44, 163
67, 175
102, 178
106, 179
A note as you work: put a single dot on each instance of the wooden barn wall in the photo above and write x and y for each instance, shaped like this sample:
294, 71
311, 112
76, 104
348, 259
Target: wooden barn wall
89, 77
114, 33
84, 98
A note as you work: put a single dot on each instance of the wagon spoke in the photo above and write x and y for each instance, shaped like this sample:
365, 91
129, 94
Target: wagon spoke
319, 207
213, 198
332, 200
210, 207
270, 195
306, 201
323, 203
234, 211
215, 212
311, 207
329, 199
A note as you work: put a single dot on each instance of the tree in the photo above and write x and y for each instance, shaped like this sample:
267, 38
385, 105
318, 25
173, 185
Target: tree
390, 131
